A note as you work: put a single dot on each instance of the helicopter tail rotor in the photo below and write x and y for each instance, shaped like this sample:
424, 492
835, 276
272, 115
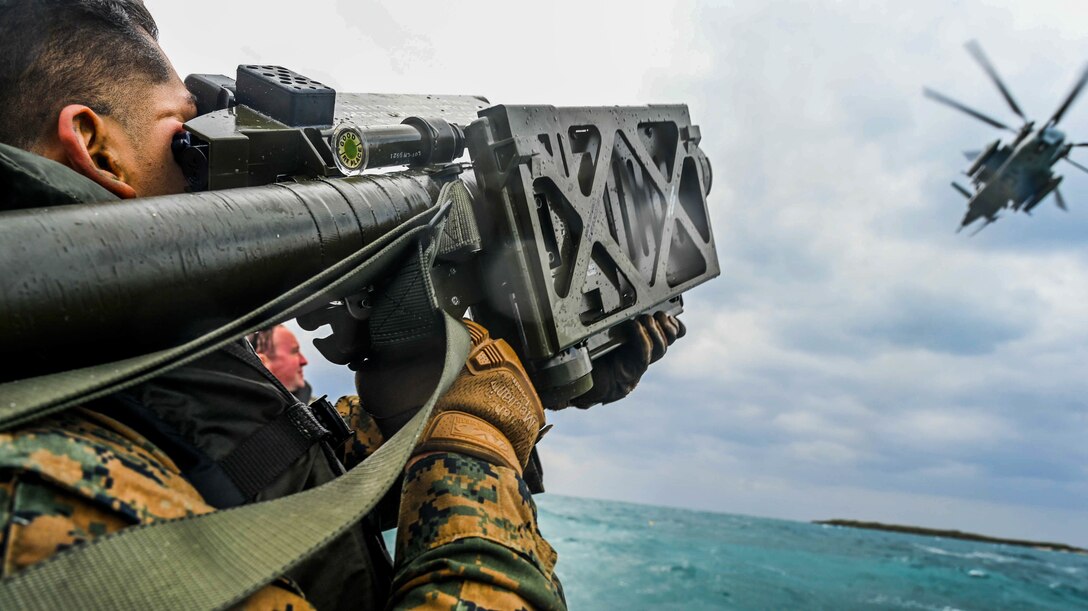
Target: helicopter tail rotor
976, 52
1070, 98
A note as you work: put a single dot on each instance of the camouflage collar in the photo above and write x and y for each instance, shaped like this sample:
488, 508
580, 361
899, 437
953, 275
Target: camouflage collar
31, 181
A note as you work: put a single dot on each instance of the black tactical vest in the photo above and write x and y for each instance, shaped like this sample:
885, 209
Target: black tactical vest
239, 436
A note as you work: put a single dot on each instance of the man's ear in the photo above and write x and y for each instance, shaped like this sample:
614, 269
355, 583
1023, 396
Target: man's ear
264, 359
87, 141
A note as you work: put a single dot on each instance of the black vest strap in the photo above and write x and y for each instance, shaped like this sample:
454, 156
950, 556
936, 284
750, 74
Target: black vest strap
277, 445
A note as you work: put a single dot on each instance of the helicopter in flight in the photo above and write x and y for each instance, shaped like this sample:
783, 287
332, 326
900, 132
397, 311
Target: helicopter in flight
1016, 175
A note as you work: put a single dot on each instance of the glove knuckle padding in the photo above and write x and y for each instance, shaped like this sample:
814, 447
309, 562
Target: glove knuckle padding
495, 388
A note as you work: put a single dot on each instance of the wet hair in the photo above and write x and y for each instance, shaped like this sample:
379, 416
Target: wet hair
59, 52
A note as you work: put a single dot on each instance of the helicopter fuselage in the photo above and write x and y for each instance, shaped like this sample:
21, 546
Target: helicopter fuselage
1016, 175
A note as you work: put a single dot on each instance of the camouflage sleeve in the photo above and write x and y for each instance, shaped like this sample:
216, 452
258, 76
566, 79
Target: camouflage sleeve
77, 476
366, 438
468, 539
468, 533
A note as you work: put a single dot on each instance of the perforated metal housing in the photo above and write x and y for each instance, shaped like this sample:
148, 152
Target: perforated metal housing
602, 213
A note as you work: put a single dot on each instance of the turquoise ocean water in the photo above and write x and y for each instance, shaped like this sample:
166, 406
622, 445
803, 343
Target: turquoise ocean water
623, 556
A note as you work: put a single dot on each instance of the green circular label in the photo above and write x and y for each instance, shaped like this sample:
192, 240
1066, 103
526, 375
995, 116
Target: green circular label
349, 149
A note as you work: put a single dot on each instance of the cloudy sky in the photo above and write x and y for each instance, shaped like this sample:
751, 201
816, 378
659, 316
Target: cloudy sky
856, 358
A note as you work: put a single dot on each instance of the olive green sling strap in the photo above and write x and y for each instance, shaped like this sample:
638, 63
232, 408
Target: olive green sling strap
215, 560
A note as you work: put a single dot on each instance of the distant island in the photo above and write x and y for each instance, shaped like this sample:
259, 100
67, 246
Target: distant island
952, 534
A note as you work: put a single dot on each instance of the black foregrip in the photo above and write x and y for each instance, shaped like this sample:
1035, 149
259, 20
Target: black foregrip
93, 283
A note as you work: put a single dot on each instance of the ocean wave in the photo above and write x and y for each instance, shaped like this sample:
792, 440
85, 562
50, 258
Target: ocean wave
895, 601
976, 555
610, 557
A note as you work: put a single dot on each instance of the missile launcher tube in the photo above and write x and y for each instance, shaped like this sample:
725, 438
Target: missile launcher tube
91, 283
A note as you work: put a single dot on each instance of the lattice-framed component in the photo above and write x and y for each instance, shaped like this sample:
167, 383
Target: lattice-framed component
602, 213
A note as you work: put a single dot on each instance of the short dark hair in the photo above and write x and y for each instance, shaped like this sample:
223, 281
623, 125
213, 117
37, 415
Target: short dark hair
59, 52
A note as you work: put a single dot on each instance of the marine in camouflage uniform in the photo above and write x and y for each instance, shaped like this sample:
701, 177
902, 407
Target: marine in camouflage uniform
468, 536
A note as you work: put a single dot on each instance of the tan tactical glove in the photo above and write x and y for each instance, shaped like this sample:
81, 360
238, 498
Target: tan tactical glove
617, 373
491, 411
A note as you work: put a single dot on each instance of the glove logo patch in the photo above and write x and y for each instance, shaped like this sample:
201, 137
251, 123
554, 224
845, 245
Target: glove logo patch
506, 393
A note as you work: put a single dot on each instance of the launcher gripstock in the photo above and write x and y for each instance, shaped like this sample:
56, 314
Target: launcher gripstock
587, 216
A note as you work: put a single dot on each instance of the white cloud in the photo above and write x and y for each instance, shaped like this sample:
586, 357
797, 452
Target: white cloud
856, 358
814, 425
823, 453
938, 427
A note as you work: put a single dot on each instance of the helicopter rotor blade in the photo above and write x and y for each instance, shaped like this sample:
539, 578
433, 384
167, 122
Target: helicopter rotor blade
1059, 200
1075, 164
976, 52
1069, 98
947, 101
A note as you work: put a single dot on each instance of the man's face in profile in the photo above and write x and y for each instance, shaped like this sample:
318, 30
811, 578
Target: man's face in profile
143, 148
163, 109
128, 152
286, 361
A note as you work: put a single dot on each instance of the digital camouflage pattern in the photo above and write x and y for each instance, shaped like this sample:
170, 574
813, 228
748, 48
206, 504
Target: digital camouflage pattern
470, 539
469, 531
73, 477
366, 438
89, 456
